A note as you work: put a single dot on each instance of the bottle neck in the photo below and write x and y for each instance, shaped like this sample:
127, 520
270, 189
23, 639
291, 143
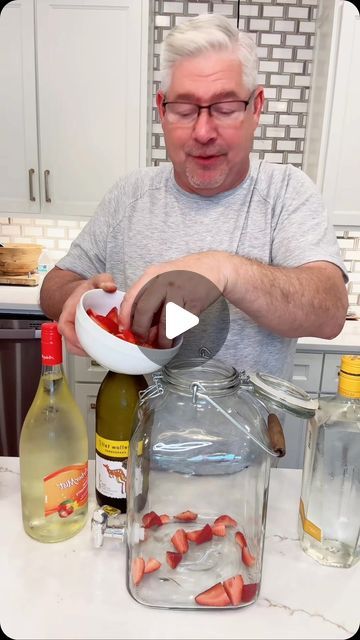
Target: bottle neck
56, 370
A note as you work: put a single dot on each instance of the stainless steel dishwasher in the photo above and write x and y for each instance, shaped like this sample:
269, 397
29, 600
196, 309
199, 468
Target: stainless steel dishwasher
20, 368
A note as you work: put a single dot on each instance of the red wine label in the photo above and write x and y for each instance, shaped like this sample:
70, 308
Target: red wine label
66, 490
110, 477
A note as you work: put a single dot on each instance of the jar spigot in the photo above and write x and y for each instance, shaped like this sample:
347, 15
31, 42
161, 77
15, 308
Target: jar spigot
107, 522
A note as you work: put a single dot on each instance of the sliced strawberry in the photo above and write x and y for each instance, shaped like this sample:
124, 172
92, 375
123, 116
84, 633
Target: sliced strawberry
173, 558
104, 322
233, 587
204, 535
247, 558
180, 541
218, 530
151, 519
137, 570
193, 534
240, 539
216, 596
186, 516
113, 315
129, 336
152, 565
226, 520
249, 592
164, 518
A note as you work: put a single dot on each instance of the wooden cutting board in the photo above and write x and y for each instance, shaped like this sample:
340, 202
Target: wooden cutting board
31, 280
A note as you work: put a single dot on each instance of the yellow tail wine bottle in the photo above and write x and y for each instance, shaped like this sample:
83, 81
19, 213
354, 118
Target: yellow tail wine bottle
115, 414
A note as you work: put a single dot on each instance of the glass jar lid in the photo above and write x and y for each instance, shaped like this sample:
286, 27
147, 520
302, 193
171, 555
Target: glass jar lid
284, 394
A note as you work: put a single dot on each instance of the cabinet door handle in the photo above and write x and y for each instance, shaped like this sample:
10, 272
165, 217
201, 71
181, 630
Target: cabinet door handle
92, 405
31, 188
46, 179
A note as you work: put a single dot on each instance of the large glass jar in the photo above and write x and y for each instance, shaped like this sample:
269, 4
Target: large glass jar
198, 481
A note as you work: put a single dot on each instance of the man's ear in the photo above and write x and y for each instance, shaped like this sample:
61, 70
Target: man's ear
160, 97
258, 101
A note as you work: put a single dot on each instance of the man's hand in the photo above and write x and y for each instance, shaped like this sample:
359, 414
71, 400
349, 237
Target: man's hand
66, 322
193, 282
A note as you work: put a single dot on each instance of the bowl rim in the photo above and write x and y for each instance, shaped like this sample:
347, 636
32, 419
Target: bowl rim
114, 339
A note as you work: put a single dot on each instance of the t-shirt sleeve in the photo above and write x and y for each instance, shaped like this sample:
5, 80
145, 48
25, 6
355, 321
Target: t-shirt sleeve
87, 253
302, 232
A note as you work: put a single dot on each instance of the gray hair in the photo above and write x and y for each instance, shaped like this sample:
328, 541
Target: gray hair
208, 32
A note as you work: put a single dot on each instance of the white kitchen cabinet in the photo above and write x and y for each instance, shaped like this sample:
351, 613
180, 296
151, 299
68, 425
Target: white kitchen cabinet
333, 132
330, 375
86, 63
307, 373
19, 165
85, 376
85, 394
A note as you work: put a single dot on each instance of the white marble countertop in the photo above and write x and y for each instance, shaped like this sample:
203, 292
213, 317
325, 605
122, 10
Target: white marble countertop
72, 590
19, 298
15, 298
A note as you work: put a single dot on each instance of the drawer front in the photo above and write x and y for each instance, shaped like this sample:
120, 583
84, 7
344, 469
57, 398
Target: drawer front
307, 371
88, 370
330, 377
85, 395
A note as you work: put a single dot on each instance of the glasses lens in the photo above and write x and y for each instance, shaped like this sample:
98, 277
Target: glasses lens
228, 110
181, 111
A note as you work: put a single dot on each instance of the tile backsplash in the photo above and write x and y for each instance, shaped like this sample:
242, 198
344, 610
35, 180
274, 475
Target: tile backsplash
284, 31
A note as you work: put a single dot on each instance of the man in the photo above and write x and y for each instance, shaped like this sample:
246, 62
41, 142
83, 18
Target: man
257, 231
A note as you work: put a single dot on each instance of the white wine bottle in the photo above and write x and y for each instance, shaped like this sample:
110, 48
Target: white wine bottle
115, 413
329, 519
53, 452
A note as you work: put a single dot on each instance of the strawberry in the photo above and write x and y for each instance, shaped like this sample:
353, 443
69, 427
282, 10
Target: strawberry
204, 535
249, 591
233, 587
186, 516
137, 570
151, 519
247, 558
180, 541
226, 520
173, 558
216, 596
103, 321
218, 530
164, 518
113, 315
193, 534
240, 539
152, 565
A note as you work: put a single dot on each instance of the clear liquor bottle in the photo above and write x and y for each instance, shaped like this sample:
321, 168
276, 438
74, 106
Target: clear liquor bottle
329, 518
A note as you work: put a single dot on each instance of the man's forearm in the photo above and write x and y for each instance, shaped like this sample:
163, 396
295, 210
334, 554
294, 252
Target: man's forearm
310, 300
57, 286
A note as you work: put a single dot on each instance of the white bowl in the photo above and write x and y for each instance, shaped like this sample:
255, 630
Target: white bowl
109, 351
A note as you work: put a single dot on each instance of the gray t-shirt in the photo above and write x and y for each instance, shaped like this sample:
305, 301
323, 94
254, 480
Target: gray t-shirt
275, 215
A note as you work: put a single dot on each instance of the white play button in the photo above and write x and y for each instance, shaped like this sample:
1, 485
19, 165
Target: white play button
178, 320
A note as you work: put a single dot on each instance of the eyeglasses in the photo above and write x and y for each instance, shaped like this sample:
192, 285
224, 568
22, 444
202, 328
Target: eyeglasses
186, 113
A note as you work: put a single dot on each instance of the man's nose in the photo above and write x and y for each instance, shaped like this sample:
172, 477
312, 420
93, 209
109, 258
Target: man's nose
204, 127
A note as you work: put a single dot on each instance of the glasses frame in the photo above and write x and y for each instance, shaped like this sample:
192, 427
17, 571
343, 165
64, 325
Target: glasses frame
207, 106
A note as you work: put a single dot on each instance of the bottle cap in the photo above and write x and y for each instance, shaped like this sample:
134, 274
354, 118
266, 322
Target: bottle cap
51, 344
349, 382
